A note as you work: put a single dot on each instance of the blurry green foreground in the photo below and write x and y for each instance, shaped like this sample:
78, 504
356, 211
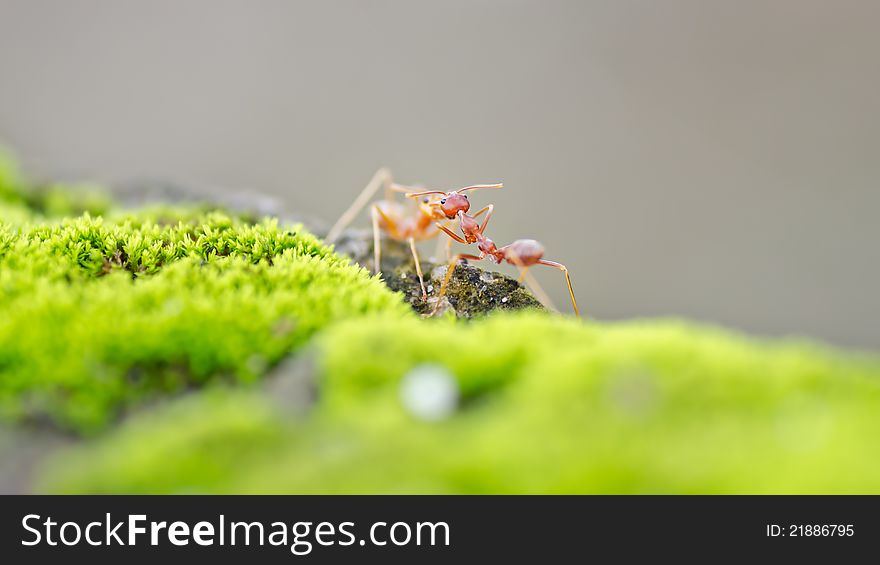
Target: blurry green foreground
551, 406
187, 351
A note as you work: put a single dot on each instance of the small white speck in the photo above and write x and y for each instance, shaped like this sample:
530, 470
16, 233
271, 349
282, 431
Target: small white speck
429, 392
430, 288
403, 275
173, 306
504, 299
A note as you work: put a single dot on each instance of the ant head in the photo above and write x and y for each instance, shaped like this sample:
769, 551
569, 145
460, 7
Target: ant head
453, 203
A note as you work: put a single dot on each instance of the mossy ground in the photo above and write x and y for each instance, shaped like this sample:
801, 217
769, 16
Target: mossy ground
101, 314
163, 341
547, 405
472, 292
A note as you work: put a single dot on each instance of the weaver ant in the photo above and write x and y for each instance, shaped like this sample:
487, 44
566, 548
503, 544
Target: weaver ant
401, 224
523, 253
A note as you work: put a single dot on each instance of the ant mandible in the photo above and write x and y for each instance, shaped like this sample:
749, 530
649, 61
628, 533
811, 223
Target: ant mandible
523, 253
400, 224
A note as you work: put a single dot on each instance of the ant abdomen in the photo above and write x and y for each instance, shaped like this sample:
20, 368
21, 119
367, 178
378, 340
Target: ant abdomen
524, 251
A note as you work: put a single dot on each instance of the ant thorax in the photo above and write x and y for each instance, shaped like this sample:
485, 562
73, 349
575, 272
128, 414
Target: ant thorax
470, 228
488, 247
406, 224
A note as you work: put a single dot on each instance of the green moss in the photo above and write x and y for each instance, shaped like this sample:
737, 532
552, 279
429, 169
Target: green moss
100, 315
548, 405
207, 439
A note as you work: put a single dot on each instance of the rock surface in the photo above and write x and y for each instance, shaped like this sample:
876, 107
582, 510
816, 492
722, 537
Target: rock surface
472, 291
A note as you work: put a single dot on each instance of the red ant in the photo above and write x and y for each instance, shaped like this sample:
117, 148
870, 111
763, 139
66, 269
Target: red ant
523, 253
390, 216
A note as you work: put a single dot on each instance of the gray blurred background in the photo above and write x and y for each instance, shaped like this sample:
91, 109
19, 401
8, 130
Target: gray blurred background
712, 159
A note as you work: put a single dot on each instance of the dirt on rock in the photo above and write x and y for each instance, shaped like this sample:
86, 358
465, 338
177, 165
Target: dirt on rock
472, 291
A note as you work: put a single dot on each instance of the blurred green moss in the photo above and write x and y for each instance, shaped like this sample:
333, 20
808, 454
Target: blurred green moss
548, 406
22, 200
11, 181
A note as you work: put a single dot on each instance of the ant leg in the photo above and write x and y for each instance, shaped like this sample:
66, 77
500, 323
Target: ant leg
482, 211
564, 269
382, 177
452, 234
422, 192
542, 296
388, 185
490, 208
442, 244
438, 249
408, 189
415, 254
532, 283
390, 224
392, 187
449, 270
377, 240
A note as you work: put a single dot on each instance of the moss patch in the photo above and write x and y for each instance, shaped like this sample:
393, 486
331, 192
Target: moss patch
102, 314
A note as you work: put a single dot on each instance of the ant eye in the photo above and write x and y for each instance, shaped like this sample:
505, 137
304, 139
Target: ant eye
443, 201
465, 196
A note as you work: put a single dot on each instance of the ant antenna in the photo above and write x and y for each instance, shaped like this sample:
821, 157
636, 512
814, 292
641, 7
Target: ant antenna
480, 186
472, 187
424, 193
